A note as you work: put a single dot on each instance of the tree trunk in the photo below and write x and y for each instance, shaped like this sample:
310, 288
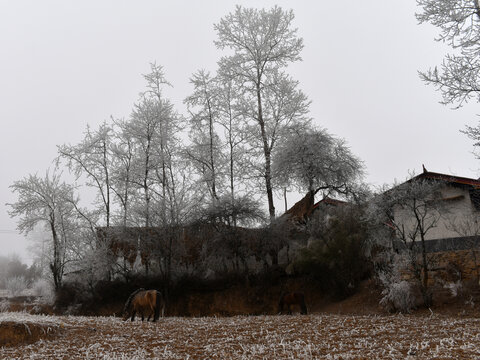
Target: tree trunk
427, 298
212, 162
266, 151
55, 264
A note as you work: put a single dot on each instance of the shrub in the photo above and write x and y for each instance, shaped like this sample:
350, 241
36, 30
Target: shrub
71, 293
44, 290
335, 256
15, 285
398, 296
4, 305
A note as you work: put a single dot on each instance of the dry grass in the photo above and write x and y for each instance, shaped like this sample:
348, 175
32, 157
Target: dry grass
252, 337
13, 333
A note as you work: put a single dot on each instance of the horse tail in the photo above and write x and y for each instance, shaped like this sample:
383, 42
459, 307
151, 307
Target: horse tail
130, 299
159, 305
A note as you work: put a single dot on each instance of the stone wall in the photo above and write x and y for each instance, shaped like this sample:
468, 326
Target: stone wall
456, 265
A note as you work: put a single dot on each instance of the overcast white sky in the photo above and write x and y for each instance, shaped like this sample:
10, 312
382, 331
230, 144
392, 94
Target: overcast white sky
66, 64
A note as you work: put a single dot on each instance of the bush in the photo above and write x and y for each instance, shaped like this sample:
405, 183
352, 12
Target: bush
398, 296
15, 285
4, 305
44, 290
71, 294
336, 256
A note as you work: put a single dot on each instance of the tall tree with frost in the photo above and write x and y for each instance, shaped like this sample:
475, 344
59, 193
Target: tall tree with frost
263, 42
92, 157
459, 23
458, 78
142, 129
204, 112
235, 135
153, 126
48, 202
123, 155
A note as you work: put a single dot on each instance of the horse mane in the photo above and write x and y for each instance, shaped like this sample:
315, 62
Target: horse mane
130, 298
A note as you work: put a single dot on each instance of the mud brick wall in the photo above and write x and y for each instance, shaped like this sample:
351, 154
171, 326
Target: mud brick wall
450, 266
456, 265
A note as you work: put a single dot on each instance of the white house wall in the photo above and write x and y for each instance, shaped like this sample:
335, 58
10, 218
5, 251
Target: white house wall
456, 207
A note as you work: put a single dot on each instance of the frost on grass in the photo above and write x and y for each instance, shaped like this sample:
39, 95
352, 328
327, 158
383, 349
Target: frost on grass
20, 328
254, 337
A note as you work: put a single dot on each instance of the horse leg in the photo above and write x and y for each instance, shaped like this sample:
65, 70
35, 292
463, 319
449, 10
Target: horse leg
289, 309
142, 315
133, 315
304, 308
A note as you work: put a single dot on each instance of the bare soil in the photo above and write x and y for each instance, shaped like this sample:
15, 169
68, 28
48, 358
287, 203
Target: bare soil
317, 336
355, 328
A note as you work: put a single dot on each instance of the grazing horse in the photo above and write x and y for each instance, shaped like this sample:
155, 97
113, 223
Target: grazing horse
292, 298
144, 302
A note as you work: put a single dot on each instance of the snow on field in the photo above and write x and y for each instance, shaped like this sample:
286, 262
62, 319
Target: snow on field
253, 337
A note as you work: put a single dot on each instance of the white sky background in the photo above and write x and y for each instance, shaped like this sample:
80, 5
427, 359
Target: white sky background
66, 64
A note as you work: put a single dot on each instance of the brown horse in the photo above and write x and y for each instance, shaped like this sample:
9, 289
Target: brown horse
292, 298
144, 302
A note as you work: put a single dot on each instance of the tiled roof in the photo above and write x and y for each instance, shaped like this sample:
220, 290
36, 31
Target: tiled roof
329, 201
448, 178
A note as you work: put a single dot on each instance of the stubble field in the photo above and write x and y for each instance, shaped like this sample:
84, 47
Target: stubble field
244, 337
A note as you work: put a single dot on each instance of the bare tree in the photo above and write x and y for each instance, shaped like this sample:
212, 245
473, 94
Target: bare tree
411, 210
204, 113
123, 150
46, 201
235, 134
263, 42
92, 157
459, 25
142, 129
153, 127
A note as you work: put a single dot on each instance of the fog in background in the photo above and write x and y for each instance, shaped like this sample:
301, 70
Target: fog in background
66, 64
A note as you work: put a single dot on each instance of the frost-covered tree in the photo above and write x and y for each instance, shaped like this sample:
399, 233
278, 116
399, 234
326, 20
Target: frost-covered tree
313, 160
46, 202
12, 266
142, 128
411, 210
205, 151
123, 149
457, 78
153, 126
263, 43
16, 284
92, 158
235, 134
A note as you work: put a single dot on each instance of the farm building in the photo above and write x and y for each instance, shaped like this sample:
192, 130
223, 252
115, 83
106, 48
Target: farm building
456, 215
446, 215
